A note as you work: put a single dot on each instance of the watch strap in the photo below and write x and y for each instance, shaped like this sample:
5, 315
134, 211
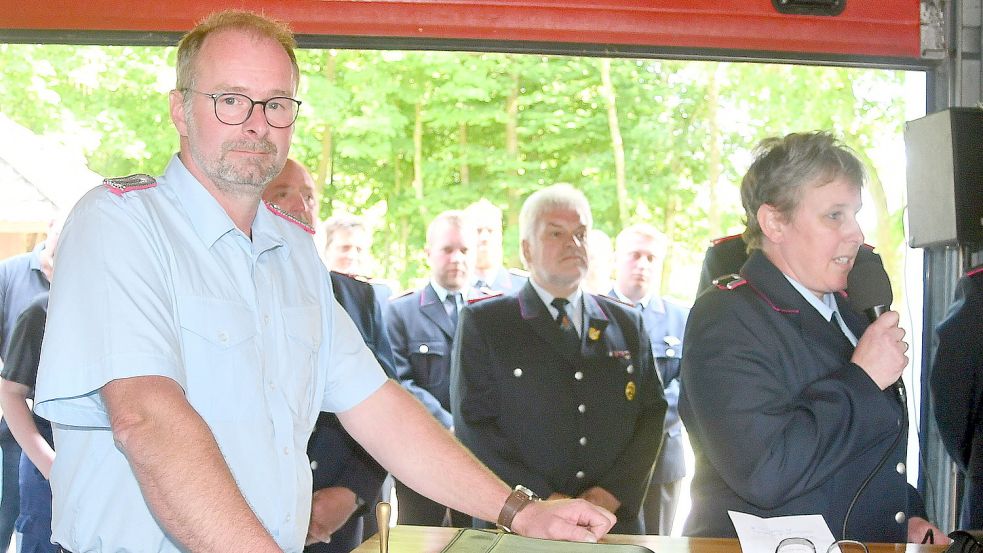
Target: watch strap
516, 501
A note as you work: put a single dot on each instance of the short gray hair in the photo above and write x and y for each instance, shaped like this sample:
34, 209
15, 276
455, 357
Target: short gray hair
784, 166
645, 230
557, 196
346, 223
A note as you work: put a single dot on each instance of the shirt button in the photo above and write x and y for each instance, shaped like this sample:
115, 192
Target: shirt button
900, 517
578, 375
286, 451
583, 440
517, 373
630, 369
266, 320
900, 468
582, 408
313, 465
580, 475
424, 348
670, 352
272, 385
223, 336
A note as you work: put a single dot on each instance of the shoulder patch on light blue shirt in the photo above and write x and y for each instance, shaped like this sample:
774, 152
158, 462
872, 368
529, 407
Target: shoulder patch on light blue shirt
122, 185
281, 213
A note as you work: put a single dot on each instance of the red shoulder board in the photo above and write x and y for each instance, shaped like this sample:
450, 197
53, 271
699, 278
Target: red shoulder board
975, 271
729, 282
401, 294
485, 297
279, 212
718, 241
614, 299
122, 185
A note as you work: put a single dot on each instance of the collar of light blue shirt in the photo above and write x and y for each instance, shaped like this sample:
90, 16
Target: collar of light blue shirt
443, 292
826, 306
575, 309
649, 302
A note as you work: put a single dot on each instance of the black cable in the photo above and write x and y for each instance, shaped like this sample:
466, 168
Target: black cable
880, 464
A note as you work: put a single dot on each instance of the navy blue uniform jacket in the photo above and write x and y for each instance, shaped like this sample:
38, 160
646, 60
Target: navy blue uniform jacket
957, 387
421, 334
555, 420
338, 460
781, 421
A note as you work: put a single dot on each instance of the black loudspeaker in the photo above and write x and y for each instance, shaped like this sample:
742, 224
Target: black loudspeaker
945, 177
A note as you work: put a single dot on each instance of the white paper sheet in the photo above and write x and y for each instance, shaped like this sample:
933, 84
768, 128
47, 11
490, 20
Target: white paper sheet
762, 535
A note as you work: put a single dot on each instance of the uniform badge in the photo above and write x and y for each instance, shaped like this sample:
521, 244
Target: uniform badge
593, 334
122, 185
283, 214
630, 391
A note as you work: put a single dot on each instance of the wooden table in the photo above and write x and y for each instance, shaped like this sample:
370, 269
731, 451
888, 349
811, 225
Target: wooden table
425, 539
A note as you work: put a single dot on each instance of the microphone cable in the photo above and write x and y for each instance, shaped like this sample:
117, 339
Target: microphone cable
880, 464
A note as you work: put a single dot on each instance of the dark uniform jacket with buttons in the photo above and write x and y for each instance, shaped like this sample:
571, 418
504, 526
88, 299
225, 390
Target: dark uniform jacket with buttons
421, 333
554, 419
781, 421
957, 387
336, 458
665, 323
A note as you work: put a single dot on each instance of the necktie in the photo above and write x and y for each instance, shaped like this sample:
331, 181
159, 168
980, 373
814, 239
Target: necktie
835, 321
565, 324
451, 307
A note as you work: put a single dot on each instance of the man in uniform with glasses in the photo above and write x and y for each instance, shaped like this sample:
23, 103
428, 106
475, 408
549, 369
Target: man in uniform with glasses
193, 338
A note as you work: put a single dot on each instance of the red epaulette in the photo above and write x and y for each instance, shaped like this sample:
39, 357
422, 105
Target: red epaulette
974, 271
718, 241
122, 185
868, 246
281, 213
493, 294
615, 300
401, 294
729, 282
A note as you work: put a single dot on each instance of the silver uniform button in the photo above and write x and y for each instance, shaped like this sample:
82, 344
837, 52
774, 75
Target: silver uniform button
583, 440
900, 517
517, 373
580, 475
670, 352
582, 408
630, 369
313, 465
424, 348
578, 375
900, 468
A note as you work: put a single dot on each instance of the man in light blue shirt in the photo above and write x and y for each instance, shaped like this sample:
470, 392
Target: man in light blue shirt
192, 338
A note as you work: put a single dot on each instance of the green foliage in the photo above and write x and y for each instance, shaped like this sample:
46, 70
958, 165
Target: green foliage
361, 108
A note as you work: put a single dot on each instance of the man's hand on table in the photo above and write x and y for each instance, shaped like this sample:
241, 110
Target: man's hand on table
563, 519
330, 509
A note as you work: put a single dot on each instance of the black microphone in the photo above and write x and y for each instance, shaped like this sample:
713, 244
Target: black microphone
868, 286
869, 290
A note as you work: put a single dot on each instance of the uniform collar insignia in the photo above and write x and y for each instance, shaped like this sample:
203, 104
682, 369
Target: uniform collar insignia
279, 212
122, 185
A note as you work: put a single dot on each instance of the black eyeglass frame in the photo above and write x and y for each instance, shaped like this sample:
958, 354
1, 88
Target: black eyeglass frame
252, 104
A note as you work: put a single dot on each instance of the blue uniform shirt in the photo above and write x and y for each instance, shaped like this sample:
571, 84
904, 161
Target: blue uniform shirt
161, 282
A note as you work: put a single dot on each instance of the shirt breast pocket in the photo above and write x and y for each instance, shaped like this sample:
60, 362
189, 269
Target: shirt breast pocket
302, 379
219, 344
425, 355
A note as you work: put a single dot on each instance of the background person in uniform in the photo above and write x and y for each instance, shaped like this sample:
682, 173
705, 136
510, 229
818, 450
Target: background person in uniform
186, 303
957, 388
489, 273
600, 262
347, 246
347, 480
421, 328
22, 278
564, 400
788, 412
33, 433
640, 251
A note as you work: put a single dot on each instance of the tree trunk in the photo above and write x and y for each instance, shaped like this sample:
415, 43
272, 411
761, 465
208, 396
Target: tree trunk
714, 169
617, 144
462, 143
325, 169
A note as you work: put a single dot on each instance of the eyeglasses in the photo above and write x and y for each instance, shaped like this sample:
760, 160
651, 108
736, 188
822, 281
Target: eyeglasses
235, 109
803, 545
